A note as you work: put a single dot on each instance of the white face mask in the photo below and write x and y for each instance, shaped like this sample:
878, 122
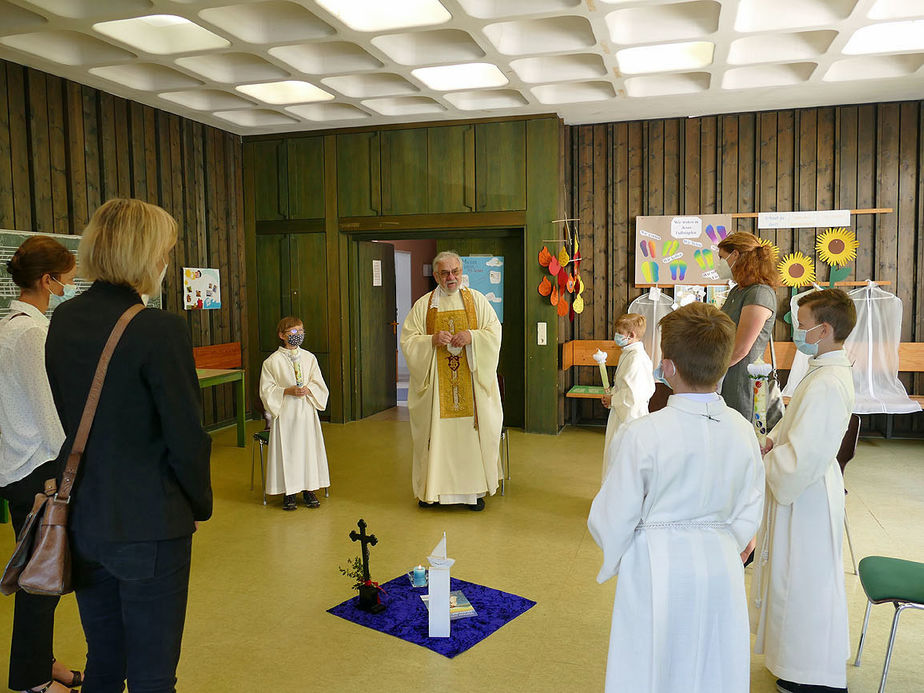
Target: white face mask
724, 269
160, 287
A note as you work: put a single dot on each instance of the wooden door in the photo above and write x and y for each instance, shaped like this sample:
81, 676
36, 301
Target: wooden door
451, 168
500, 166
404, 171
512, 362
377, 327
359, 185
271, 195
305, 164
309, 281
273, 289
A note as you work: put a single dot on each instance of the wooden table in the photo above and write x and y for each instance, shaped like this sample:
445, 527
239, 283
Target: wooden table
209, 377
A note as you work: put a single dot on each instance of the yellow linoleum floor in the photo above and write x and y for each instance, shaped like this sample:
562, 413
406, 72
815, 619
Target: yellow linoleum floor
262, 578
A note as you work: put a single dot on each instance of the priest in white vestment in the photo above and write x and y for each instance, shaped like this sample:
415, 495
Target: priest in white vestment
798, 603
293, 392
682, 497
451, 340
633, 383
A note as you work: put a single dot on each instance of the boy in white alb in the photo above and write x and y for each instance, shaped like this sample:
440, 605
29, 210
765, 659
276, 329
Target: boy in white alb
293, 391
633, 383
682, 497
798, 603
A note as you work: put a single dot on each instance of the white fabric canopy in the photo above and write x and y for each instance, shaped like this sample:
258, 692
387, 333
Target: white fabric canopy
872, 348
653, 305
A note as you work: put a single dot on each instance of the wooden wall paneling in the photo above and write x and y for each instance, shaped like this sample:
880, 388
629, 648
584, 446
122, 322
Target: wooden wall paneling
785, 180
601, 154
623, 237
91, 154
825, 157
747, 174
215, 239
7, 215
691, 167
107, 138
42, 204
123, 147
57, 149
584, 321
766, 178
846, 191
905, 210
729, 167
673, 170
886, 265
707, 164
866, 224
19, 146
804, 239
655, 169
919, 226
76, 158
139, 179
151, 155
636, 199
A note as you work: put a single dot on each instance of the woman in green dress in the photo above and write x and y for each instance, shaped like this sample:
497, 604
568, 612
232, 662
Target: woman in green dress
752, 306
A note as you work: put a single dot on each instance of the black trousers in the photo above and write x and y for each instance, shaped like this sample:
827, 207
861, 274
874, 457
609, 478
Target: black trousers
31, 649
132, 599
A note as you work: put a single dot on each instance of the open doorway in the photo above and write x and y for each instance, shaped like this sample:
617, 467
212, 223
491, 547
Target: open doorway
412, 257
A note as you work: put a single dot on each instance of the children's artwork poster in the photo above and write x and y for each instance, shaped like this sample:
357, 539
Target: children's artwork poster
485, 273
671, 250
201, 288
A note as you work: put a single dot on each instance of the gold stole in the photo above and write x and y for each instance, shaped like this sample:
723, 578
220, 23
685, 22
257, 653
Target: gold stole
457, 396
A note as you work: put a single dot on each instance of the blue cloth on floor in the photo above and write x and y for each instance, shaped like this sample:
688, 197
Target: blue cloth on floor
406, 615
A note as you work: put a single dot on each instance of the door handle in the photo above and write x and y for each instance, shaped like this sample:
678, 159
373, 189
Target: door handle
394, 327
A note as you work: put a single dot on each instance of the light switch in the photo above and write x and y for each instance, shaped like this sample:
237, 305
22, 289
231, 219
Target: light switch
541, 334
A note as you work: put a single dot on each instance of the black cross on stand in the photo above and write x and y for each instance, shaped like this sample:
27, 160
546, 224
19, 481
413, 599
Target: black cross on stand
364, 540
368, 594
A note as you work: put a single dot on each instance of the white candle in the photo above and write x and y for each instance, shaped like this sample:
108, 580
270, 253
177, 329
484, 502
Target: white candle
600, 358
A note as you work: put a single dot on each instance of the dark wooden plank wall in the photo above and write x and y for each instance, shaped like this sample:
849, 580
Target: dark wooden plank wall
65, 148
837, 157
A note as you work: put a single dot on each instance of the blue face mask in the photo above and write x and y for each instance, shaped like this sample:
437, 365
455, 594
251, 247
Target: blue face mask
621, 340
659, 376
798, 338
69, 292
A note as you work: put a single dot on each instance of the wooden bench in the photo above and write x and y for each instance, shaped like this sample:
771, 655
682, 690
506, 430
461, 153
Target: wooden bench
222, 363
579, 352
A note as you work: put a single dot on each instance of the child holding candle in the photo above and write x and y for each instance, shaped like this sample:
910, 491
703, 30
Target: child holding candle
293, 391
633, 383
682, 497
798, 602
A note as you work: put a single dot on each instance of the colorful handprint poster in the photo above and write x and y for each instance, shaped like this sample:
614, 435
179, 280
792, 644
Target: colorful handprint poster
672, 250
201, 288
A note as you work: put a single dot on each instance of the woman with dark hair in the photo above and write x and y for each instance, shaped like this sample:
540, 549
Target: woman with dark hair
144, 479
30, 438
752, 305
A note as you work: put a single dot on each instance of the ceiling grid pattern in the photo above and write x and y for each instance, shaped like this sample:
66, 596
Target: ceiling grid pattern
265, 66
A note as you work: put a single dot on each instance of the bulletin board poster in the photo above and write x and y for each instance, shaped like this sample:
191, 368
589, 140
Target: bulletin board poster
201, 288
672, 250
485, 273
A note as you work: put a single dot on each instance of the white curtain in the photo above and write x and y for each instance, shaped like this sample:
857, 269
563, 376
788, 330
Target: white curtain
872, 348
653, 305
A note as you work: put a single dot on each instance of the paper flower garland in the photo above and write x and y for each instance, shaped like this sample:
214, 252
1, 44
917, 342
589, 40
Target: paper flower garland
837, 247
796, 269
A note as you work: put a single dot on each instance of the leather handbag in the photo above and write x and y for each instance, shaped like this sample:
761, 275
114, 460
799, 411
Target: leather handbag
41, 561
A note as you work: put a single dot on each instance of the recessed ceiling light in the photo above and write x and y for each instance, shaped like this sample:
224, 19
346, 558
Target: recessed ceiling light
289, 91
891, 37
467, 76
162, 34
665, 57
382, 15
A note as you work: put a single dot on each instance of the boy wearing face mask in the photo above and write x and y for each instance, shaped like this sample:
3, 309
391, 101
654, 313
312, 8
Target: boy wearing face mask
682, 497
798, 604
633, 383
293, 391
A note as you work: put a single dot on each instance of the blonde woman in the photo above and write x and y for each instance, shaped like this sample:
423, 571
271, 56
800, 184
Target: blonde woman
144, 479
30, 438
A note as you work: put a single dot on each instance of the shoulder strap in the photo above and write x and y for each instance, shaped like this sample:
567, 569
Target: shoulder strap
89, 410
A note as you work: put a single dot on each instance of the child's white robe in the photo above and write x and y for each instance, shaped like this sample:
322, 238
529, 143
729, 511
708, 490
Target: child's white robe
633, 386
297, 458
682, 498
798, 604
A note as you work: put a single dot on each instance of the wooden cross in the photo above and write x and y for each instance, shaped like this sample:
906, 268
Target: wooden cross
364, 540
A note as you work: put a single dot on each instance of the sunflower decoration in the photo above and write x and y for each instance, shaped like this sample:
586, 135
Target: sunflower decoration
767, 243
796, 269
837, 247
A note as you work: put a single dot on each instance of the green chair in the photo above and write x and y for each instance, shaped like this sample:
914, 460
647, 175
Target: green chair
890, 580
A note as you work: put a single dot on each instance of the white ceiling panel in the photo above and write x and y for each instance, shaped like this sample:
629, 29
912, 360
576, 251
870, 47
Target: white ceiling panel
267, 66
